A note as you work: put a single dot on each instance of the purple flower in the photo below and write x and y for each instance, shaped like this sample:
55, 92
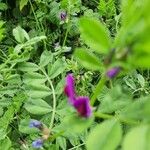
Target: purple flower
111, 73
36, 124
37, 143
70, 89
63, 16
81, 104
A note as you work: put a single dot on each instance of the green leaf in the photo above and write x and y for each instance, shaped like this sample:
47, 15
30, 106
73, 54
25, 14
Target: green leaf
61, 141
29, 43
20, 34
28, 67
5, 144
76, 124
105, 136
88, 60
138, 110
95, 35
137, 139
45, 58
37, 90
23, 3
34, 78
24, 127
3, 6
114, 100
141, 80
37, 107
13, 79
1, 111
142, 60
57, 68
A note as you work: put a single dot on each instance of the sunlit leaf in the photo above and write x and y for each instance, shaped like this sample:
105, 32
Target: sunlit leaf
37, 107
88, 60
95, 35
137, 138
105, 136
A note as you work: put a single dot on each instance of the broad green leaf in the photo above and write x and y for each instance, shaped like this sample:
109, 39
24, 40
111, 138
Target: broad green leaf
141, 80
34, 40
57, 68
114, 100
29, 43
20, 34
3, 6
137, 139
76, 124
13, 79
4, 102
37, 107
23, 3
37, 90
5, 144
138, 110
142, 61
28, 67
34, 78
61, 141
88, 60
1, 111
45, 58
3, 134
95, 35
105, 136
24, 127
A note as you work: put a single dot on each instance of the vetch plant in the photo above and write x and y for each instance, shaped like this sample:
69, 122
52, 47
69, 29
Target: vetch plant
80, 103
44, 130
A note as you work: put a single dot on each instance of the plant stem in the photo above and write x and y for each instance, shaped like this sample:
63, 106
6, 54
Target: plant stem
54, 99
36, 19
107, 116
102, 115
66, 34
67, 30
76, 146
98, 89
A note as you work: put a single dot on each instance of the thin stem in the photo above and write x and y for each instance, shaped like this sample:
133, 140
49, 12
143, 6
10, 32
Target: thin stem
102, 115
67, 31
66, 34
54, 99
107, 116
36, 19
76, 146
98, 89
51, 139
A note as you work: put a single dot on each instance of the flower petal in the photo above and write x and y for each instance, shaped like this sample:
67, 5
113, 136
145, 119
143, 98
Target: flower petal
82, 105
113, 72
35, 124
69, 89
37, 143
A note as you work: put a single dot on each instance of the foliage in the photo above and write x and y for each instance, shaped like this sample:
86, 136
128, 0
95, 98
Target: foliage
39, 47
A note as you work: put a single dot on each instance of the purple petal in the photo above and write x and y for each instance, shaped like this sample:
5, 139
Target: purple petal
37, 143
35, 124
113, 72
69, 89
82, 105
63, 16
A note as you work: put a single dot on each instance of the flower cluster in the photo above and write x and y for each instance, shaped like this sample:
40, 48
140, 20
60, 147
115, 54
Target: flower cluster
113, 72
80, 103
63, 16
45, 131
